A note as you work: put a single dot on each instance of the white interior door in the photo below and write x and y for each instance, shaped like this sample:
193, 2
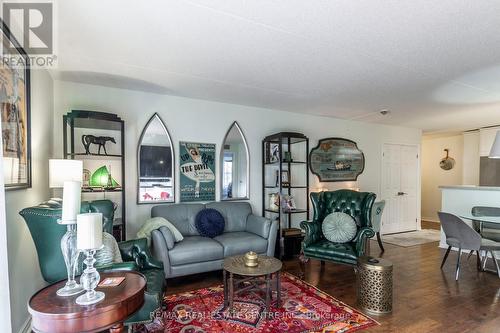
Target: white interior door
399, 188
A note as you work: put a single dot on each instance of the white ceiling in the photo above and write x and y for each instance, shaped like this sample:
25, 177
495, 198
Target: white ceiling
434, 64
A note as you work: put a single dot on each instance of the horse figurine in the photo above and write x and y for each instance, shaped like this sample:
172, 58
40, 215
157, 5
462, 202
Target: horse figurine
87, 140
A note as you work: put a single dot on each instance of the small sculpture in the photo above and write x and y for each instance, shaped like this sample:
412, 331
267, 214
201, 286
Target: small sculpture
87, 140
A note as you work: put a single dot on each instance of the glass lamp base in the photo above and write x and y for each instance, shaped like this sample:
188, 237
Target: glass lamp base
90, 298
70, 289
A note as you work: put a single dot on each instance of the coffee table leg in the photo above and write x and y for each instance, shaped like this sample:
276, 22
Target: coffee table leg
224, 281
118, 328
278, 289
231, 293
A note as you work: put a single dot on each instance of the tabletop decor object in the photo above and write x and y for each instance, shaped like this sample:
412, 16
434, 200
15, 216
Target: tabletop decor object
251, 259
336, 160
89, 239
70, 209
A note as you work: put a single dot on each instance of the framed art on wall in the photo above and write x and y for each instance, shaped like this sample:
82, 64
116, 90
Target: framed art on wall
336, 160
197, 171
15, 114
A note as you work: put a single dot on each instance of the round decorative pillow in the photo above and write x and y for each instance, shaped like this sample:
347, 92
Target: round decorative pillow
209, 223
339, 227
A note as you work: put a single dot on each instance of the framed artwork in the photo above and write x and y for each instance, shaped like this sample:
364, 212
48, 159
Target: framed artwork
274, 201
197, 171
336, 160
274, 153
15, 115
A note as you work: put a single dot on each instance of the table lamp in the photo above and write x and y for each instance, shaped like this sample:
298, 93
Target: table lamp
89, 239
70, 209
63, 170
495, 149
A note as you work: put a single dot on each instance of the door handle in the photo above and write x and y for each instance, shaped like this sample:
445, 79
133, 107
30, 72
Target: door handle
401, 193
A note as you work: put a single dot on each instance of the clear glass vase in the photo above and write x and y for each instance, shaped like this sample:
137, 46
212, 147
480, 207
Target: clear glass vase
70, 255
89, 280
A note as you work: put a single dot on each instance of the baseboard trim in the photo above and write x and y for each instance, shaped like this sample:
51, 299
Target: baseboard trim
26, 328
430, 220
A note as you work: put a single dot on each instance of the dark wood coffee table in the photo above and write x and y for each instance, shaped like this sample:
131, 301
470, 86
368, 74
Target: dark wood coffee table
250, 279
53, 314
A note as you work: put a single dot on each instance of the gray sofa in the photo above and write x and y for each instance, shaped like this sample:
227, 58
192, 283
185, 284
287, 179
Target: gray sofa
243, 232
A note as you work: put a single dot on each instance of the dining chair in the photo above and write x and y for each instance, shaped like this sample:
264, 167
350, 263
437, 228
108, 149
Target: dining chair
460, 235
377, 210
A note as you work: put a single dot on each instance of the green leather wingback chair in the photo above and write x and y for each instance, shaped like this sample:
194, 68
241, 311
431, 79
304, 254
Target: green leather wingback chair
356, 204
47, 234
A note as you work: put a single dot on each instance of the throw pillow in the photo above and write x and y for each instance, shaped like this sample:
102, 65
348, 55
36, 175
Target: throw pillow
339, 227
209, 223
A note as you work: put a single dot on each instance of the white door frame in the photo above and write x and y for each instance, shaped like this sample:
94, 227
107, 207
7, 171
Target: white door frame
418, 223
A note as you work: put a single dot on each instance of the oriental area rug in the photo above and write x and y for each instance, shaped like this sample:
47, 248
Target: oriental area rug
304, 309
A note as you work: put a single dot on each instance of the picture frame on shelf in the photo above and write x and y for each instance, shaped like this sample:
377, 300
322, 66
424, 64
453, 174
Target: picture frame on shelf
285, 178
274, 152
287, 157
274, 201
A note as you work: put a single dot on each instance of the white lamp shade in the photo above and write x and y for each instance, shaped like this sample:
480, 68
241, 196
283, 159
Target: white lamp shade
64, 170
495, 149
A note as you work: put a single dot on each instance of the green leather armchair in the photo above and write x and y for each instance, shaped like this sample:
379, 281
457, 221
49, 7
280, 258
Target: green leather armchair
356, 204
47, 234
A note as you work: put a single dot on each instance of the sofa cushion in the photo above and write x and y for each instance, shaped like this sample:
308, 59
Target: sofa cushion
182, 216
209, 223
339, 227
325, 248
235, 214
195, 249
235, 243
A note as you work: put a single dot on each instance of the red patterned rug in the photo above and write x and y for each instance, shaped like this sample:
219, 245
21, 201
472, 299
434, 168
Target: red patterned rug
304, 309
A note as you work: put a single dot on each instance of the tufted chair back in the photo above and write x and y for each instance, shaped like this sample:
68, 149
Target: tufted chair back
356, 204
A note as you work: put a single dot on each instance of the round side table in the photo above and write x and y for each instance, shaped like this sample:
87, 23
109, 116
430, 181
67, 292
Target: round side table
239, 274
374, 285
54, 314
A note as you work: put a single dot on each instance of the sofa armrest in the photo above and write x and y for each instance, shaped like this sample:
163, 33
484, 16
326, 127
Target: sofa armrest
137, 250
258, 225
119, 266
361, 238
312, 231
160, 248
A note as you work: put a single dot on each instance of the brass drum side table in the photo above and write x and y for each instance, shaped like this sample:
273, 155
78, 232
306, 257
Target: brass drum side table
374, 284
236, 274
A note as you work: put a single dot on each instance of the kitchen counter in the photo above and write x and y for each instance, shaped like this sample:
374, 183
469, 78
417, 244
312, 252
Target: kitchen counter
470, 187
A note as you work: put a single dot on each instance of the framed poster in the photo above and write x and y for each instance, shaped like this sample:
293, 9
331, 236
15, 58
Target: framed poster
197, 171
15, 114
336, 160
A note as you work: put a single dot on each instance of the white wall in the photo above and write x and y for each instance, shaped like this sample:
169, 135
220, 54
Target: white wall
471, 160
433, 176
24, 272
204, 121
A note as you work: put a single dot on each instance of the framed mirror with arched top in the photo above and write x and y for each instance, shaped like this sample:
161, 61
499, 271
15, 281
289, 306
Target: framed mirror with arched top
155, 164
235, 165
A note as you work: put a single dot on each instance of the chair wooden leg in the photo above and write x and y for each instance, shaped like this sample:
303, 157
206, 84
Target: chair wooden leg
379, 240
322, 263
445, 256
457, 273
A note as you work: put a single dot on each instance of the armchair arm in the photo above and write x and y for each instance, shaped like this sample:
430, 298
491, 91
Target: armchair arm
361, 238
137, 250
312, 230
258, 225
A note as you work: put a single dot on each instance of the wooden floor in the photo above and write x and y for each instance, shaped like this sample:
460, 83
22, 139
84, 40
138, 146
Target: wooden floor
426, 299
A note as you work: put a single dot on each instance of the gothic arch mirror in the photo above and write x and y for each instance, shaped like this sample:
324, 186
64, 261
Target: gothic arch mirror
155, 164
235, 165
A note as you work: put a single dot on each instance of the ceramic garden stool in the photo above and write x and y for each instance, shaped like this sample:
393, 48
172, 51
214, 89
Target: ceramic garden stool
374, 284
